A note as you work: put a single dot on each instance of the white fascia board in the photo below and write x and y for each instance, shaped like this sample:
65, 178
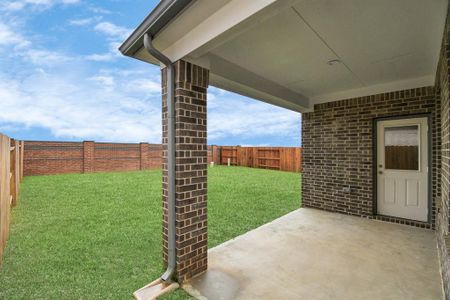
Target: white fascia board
225, 18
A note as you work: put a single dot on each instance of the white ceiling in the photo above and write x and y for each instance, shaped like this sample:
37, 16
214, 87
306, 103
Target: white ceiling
280, 53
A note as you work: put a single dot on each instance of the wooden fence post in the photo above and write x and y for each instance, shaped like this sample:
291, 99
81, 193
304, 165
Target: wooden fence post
5, 194
12, 172
22, 151
238, 155
17, 170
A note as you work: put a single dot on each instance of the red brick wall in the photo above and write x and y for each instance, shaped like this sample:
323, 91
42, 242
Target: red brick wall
442, 226
42, 158
45, 158
338, 146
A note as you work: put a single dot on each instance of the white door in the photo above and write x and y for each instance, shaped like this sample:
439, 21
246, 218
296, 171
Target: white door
402, 168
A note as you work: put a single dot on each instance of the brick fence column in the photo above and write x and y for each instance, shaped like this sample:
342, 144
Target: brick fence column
144, 153
191, 84
88, 156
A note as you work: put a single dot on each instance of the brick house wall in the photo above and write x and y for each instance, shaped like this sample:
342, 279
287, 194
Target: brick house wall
46, 158
338, 150
191, 84
442, 91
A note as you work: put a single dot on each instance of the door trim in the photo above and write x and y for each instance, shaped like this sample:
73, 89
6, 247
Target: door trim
374, 161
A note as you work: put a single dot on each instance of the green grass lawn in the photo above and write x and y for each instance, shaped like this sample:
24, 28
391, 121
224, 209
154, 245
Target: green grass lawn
98, 236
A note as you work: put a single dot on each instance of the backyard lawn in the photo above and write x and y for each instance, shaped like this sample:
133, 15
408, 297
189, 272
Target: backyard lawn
98, 236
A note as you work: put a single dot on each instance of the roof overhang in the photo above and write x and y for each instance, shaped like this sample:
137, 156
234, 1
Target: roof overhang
163, 13
296, 53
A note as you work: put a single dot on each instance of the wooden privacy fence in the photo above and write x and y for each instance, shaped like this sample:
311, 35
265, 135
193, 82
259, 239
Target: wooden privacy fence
11, 174
275, 158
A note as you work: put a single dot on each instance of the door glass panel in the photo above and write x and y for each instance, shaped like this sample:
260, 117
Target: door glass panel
401, 147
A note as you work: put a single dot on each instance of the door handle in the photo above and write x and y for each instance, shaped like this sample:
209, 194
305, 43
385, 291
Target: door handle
380, 172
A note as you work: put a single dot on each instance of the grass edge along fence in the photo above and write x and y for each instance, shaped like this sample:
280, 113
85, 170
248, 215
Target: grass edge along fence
274, 158
11, 174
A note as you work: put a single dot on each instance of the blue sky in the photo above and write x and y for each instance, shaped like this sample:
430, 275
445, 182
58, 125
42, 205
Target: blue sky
62, 78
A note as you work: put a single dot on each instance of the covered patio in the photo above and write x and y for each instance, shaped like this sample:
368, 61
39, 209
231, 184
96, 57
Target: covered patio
371, 79
312, 254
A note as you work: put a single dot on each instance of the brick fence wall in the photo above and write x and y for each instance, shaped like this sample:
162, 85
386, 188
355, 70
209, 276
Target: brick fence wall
45, 158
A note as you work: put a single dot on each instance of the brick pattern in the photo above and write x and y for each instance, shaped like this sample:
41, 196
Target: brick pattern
88, 156
46, 158
121, 157
338, 150
191, 84
144, 160
442, 91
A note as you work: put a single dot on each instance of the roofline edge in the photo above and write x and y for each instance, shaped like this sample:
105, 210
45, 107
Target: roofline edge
158, 18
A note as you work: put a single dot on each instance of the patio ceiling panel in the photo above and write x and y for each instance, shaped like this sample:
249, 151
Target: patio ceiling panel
380, 41
278, 51
285, 50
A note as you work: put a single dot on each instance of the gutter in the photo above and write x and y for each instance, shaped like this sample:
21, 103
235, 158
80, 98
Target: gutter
144, 36
160, 16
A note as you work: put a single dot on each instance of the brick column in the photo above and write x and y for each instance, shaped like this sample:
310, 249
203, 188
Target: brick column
191, 84
144, 154
88, 156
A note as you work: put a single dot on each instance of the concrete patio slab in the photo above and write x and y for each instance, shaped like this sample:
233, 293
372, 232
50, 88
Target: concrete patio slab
312, 254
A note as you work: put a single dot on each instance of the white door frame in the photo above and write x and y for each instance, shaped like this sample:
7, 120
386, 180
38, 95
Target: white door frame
429, 158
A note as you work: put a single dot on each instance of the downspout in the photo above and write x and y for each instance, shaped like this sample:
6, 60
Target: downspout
170, 84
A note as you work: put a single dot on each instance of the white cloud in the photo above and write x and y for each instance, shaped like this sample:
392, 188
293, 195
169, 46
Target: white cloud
109, 56
99, 10
12, 6
101, 57
144, 85
8, 37
113, 31
85, 21
229, 115
104, 80
71, 107
45, 57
